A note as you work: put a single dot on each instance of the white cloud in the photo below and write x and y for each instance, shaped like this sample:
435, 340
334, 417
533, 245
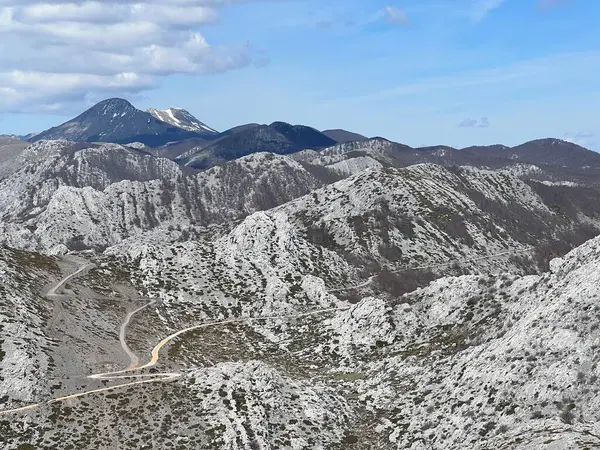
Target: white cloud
192, 56
119, 12
481, 8
50, 89
393, 14
43, 91
63, 51
582, 138
47, 12
483, 122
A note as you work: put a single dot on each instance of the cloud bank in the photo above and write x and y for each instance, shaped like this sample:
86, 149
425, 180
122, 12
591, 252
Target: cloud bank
57, 52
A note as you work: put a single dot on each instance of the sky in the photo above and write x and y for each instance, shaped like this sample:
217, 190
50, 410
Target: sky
420, 72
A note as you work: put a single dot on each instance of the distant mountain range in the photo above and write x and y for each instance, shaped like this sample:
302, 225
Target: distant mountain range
176, 134
543, 151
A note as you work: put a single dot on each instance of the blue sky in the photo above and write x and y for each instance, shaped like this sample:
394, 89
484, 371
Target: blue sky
455, 72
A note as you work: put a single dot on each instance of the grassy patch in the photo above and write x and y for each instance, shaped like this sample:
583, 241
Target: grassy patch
25, 447
349, 376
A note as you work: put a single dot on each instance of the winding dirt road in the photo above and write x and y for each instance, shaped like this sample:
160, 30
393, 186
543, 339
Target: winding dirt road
130, 372
52, 292
135, 361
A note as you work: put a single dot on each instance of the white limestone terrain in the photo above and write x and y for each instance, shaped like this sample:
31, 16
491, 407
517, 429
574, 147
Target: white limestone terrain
331, 299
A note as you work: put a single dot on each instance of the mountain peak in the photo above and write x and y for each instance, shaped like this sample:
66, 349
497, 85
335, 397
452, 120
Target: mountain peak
113, 103
183, 119
116, 120
280, 123
554, 142
546, 151
279, 138
112, 107
550, 145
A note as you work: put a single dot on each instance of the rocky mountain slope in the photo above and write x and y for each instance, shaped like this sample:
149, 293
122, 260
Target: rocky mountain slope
476, 361
180, 150
95, 195
394, 154
10, 149
24, 345
425, 212
6, 139
480, 362
397, 229
380, 217
174, 150
548, 160
181, 118
117, 121
343, 298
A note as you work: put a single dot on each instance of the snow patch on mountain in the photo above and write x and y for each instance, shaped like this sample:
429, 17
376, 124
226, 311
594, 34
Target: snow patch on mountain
182, 119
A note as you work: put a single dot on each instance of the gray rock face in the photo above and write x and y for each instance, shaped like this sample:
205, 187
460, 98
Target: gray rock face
24, 344
380, 215
10, 149
86, 197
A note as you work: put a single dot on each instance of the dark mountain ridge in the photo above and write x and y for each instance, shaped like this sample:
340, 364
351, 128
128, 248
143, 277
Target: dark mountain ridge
279, 138
118, 121
548, 151
341, 135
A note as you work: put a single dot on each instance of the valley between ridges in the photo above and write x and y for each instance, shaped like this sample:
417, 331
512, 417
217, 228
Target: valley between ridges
130, 371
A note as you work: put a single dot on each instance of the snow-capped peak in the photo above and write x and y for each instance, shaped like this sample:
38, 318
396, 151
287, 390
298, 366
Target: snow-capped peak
181, 118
